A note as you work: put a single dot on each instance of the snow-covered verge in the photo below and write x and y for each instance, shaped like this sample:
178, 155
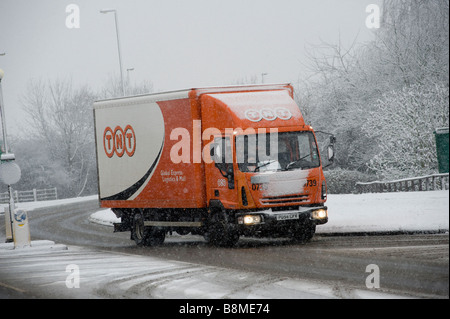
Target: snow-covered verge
411, 211
380, 212
50, 203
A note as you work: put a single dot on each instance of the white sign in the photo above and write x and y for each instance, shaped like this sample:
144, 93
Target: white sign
10, 173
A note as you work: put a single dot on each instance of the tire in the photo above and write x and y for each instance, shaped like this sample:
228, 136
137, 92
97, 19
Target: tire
146, 235
221, 233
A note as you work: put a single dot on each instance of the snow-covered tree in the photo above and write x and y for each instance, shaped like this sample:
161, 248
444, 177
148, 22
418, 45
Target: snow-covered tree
402, 125
346, 85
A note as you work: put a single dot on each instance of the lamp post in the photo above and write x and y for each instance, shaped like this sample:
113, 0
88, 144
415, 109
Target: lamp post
5, 143
118, 45
9, 170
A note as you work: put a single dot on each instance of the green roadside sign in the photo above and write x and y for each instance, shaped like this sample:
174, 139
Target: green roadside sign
442, 149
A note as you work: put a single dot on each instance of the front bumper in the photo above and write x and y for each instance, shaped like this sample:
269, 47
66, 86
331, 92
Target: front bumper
269, 221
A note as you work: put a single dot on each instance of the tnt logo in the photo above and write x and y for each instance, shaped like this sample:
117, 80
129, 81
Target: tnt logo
268, 114
119, 141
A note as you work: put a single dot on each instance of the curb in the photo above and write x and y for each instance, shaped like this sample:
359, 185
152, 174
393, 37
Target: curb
37, 246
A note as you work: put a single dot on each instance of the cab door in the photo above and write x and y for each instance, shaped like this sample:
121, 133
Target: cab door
220, 173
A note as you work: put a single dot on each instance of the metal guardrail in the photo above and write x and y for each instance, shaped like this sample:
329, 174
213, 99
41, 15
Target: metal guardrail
33, 195
422, 183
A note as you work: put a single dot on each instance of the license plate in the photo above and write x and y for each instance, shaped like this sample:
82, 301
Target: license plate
287, 216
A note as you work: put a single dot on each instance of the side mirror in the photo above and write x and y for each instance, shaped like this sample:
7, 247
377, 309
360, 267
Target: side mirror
330, 153
331, 150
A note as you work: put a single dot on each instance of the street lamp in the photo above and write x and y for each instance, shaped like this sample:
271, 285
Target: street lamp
262, 77
118, 44
128, 72
128, 79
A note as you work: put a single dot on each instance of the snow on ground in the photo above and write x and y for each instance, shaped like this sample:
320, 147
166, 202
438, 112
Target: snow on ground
50, 203
379, 212
411, 211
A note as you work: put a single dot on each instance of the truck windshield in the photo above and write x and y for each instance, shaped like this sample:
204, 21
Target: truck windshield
276, 152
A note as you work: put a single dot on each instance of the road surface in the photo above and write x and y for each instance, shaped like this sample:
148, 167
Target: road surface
414, 265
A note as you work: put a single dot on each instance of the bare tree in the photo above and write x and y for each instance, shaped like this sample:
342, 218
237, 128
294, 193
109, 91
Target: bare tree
245, 80
61, 116
414, 41
113, 88
336, 97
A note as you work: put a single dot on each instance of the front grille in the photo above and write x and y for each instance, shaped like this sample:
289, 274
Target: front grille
285, 199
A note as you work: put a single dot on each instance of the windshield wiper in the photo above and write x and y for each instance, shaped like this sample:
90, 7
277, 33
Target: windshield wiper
288, 166
265, 164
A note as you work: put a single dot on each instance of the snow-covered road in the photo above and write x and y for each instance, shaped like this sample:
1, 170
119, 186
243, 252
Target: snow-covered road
50, 270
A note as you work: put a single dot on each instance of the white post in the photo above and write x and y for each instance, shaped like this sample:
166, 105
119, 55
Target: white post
21, 229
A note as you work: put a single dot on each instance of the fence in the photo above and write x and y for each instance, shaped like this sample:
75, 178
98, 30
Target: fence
422, 183
30, 196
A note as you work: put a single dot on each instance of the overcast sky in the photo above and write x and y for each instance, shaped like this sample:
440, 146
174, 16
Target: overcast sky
173, 44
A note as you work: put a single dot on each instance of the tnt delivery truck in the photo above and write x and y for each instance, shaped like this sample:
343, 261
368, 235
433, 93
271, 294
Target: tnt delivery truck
221, 162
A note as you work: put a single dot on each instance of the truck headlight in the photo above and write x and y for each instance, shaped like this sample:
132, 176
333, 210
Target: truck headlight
319, 214
249, 219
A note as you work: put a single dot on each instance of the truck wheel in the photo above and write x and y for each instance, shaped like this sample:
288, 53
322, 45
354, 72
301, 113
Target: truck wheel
222, 234
145, 235
304, 232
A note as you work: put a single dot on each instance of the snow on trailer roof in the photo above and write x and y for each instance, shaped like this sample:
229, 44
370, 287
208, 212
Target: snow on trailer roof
183, 93
237, 88
256, 109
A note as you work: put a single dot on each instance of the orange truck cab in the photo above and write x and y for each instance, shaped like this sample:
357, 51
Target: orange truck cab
221, 162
